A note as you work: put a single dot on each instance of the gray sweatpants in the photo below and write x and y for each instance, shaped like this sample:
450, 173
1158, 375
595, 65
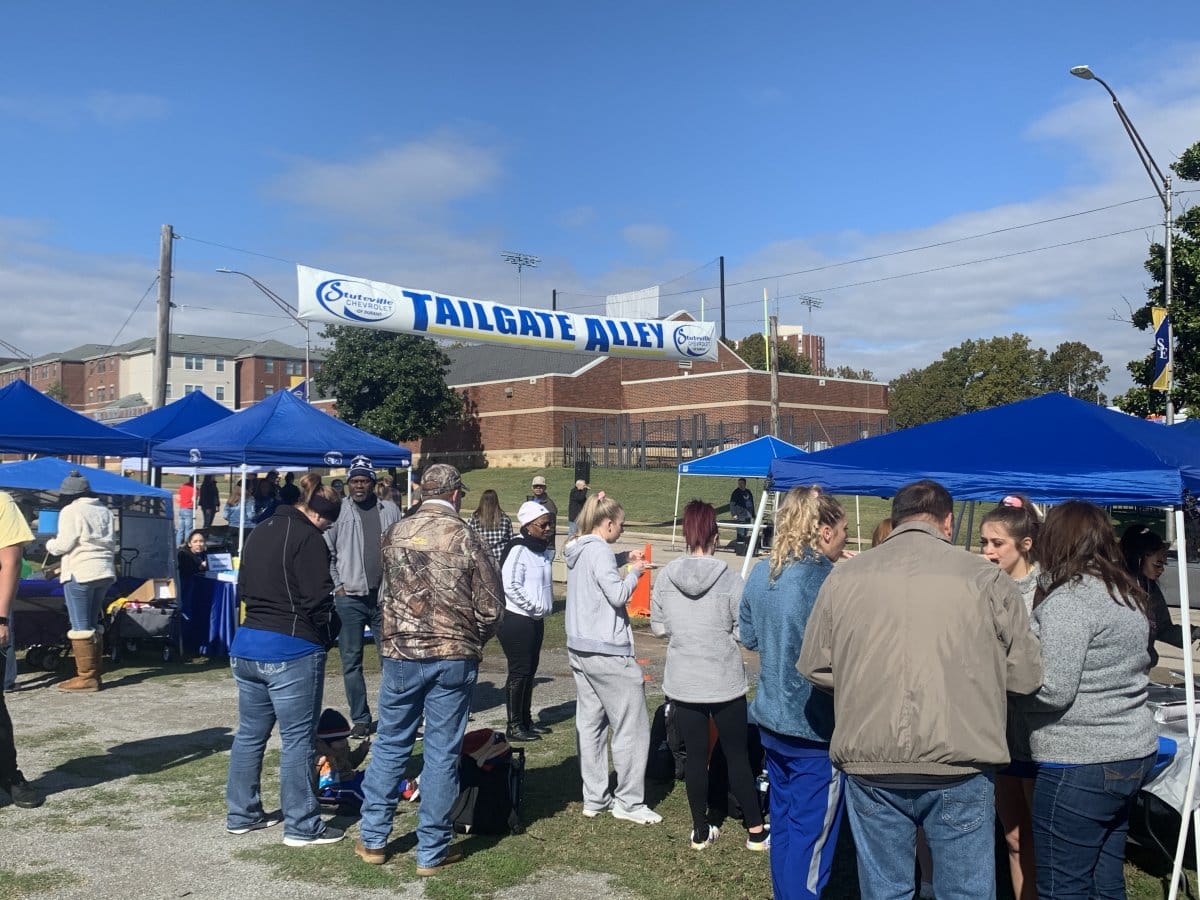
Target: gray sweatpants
610, 693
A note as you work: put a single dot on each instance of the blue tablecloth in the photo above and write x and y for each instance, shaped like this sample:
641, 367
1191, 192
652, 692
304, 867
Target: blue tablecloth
210, 615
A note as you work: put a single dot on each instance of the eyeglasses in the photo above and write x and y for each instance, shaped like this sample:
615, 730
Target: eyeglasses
539, 524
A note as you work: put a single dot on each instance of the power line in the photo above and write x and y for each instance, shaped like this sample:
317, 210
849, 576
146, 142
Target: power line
184, 237
128, 318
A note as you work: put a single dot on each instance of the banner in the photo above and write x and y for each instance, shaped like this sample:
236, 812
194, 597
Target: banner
1162, 344
345, 300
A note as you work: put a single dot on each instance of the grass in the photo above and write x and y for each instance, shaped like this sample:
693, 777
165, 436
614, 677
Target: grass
30, 884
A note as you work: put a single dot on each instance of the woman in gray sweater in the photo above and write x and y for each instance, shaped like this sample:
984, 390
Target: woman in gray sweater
1090, 731
694, 603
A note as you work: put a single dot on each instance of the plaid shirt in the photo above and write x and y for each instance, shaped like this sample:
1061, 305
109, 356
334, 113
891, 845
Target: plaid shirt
496, 537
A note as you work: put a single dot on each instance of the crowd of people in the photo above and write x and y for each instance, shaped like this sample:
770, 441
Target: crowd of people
919, 691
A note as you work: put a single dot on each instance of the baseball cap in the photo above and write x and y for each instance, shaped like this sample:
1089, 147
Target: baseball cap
538, 481
441, 479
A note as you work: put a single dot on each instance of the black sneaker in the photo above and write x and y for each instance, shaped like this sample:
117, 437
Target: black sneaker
330, 835
24, 794
361, 730
269, 820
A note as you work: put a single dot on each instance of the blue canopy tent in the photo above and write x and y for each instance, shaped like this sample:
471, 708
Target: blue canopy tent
1052, 448
1189, 427
36, 423
189, 412
281, 430
749, 460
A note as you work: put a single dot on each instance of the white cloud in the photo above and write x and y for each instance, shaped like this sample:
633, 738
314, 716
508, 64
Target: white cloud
647, 237
392, 185
106, 108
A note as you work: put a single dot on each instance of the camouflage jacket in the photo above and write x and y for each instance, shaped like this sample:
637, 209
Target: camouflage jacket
441, 595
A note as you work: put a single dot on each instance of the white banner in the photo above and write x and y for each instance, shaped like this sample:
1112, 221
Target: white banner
345, 300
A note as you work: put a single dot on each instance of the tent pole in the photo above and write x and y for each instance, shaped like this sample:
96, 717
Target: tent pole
857, 524
675, 518
242, 517
754, 533
1189, 692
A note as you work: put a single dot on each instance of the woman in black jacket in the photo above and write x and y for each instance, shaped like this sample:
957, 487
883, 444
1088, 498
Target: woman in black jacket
278, 659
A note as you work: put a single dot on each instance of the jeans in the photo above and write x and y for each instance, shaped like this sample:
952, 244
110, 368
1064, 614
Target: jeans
288, 693
441, 688
959, 827
184, 528
8, 746
1080, 821
85, 602
209, 513
355, 613
8, 671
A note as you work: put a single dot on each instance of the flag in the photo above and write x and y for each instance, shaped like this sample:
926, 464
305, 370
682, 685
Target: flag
1162, 348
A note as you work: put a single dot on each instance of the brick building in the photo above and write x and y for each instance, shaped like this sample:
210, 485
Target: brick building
523, 405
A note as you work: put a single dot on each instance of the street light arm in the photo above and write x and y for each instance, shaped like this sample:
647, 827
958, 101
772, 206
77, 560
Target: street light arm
274, 297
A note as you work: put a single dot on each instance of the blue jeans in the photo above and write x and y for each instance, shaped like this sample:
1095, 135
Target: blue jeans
288, 693
85, 602
442, 689
959, 826
1080, 821
355, 613
184, 528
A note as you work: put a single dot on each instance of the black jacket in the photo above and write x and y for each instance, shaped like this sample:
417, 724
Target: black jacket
284, 579
575, 503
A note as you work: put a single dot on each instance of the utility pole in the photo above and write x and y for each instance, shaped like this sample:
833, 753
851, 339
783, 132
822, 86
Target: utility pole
162, 344
722, 299
554, 299
774, 329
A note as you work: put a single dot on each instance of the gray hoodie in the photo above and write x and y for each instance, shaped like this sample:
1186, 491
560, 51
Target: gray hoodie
596, 596
695, 603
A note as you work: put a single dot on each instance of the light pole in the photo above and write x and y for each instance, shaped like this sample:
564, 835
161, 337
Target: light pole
28, 357
1162, 186
292, 313
521, 261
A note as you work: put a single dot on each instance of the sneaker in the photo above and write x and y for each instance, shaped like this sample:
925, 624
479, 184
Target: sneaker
593, 813
361, 730
760, 842
373, 856
642, 815
330, 835
448, 860
269, 820
24, 794
709, 838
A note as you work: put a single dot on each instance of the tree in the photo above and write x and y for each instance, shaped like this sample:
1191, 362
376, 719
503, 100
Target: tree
392, 385
980, 374
1142, 400
847, 372
752, 349
1075, 368
57, 392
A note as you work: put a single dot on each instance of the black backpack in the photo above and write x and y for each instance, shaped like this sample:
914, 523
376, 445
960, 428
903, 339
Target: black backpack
667, 756
489, 796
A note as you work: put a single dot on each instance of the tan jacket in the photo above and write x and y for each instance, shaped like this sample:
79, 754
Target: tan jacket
441, 596
919, 641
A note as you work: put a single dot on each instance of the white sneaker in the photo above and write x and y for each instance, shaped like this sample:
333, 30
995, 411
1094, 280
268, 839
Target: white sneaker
642, 815
713, 834
592, 812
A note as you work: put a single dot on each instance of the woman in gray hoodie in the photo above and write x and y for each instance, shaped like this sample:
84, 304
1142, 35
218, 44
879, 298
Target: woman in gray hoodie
610, 689
694, 604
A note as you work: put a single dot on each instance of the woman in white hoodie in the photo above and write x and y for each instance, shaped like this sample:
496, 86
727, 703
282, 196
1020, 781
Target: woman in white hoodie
695, 604
608, 680
87, 543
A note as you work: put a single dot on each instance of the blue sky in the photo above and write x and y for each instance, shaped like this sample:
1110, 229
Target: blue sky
627, 144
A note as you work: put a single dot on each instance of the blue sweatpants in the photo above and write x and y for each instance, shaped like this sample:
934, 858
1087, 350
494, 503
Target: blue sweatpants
807, 802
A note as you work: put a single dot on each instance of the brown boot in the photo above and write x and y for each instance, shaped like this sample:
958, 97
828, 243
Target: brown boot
87, 663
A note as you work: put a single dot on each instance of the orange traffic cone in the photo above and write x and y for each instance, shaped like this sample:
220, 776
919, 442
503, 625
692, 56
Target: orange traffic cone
639, 603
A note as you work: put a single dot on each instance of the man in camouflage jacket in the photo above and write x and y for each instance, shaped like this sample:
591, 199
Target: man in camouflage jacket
441, 599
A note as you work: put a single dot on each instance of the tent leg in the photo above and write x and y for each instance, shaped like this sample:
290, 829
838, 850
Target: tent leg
675, 519
242, 517
754, 533
1189, 689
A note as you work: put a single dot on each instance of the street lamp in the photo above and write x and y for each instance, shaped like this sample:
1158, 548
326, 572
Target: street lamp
1162, 187
521, 261
28, 357
292, 314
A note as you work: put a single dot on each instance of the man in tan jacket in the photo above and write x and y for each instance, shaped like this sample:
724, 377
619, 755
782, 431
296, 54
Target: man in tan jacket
920, 643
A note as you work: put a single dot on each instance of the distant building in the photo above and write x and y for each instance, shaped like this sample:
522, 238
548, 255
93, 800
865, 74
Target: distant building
116, 383
810, 345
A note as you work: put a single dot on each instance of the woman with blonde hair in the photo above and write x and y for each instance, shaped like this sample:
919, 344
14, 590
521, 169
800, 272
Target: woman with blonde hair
611, 692
492, 523
795, 720
309, 482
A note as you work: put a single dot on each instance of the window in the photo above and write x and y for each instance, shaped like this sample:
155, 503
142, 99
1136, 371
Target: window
189, 388
168, 389
269, 366
100, 367
268, 390
294, 367
91, 395
220, 363
195, 363
220, 391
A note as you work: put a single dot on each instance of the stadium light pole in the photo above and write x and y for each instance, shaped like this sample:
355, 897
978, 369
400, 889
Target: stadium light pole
1162, 187
292, 314
28, 357
521, 261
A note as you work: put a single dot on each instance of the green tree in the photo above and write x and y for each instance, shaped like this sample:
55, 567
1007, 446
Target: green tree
392, 385
980, 374
752, 349
1075, 368
847, 372
1141, 400
57, 392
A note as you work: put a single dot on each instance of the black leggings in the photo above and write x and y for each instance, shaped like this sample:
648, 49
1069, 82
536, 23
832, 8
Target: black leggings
521, 637
730, 717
